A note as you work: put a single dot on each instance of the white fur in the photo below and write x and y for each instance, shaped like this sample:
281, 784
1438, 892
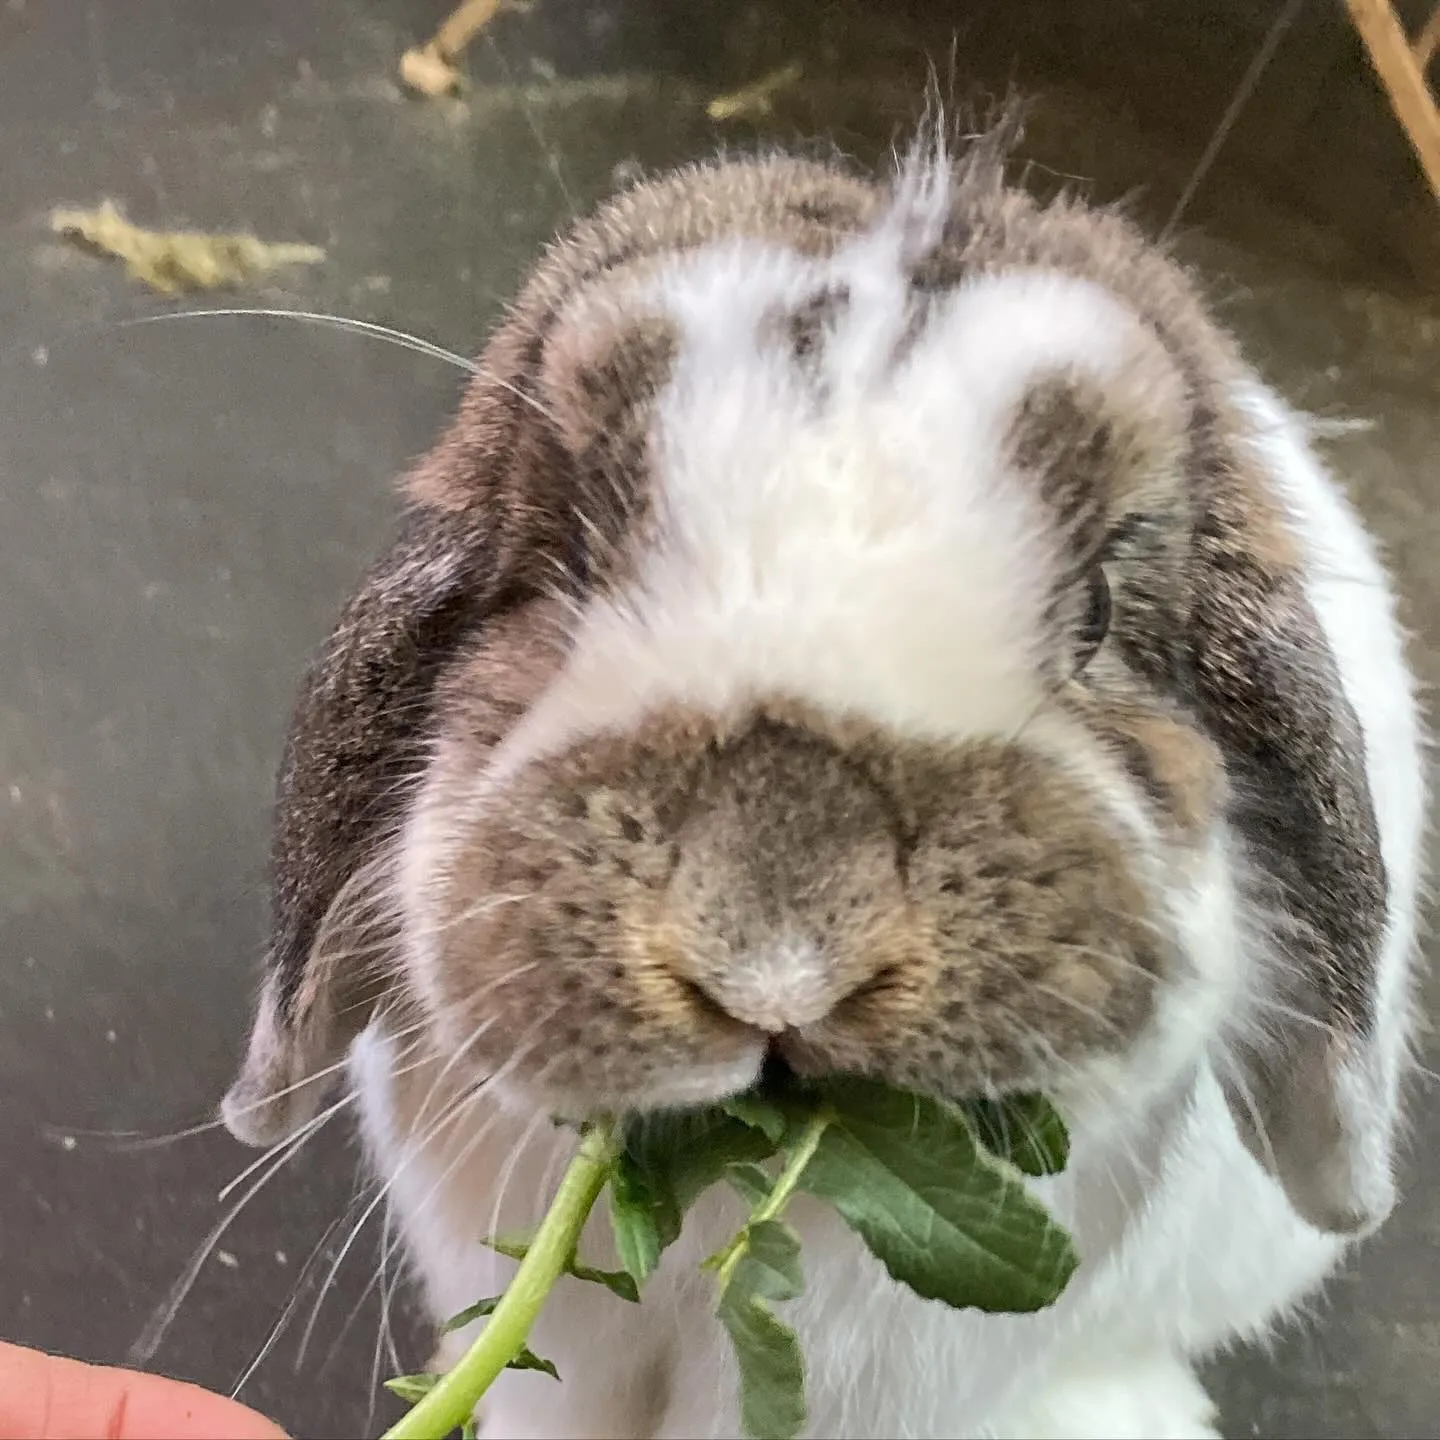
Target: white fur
863, 546
861, 541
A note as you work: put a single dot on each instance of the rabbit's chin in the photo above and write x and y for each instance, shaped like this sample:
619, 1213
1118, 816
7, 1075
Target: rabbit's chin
684, 1088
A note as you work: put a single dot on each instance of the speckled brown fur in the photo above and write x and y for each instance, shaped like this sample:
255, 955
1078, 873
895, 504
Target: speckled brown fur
969, 903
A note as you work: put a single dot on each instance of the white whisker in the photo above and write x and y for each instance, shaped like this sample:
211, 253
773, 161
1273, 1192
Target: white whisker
416, 343
406, 341
278, 1328
154, 1332
311, 1125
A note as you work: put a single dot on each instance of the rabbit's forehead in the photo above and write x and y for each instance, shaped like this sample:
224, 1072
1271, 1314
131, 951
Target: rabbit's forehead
840, 489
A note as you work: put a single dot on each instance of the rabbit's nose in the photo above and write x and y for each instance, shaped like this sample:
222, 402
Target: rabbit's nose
782, 984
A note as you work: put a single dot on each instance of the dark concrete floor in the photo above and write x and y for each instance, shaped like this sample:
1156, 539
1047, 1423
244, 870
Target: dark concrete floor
184, 504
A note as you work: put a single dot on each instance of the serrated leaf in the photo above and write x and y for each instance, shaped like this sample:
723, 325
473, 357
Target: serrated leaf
640, 1220
478, 1311
412, 1387
527, 1359
512, 1247
751, 1181
668, 1160
759, 1114
618, 1282
685, 1152
772, 1369
770, 1265
943, 1216
1026, 1130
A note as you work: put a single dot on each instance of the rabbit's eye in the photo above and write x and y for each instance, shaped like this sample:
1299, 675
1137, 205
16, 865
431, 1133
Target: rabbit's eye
1095, 623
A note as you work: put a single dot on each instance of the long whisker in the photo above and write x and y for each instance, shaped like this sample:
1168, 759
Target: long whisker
384, 1330
1238, 101
550, 152
406, 341
154, 1332
507, 1169
231, 1186
278, 1328
391, 336
448, 1112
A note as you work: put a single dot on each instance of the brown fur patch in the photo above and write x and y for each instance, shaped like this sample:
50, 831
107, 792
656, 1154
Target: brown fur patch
486, 458
644, 874
361, 722
1179, 767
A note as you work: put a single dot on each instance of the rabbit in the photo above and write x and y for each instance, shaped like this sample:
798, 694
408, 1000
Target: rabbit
874, 625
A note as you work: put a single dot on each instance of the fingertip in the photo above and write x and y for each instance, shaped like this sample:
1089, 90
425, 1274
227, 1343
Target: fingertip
161, 1409
47, 1397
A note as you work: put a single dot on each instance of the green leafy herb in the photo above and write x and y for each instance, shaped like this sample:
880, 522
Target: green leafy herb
449, 1404
762, 1264
643, 1219
412, 1387
752, 1181
523, 1359
478, 1311
617, 1282
527, 1359
682, 1155
772, 1369
1024, 1130
944, 1216
759, 1114
935, 1191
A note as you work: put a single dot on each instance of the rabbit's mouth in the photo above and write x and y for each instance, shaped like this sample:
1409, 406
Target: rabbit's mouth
775, 1070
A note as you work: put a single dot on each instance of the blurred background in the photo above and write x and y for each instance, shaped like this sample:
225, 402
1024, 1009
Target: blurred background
184, 505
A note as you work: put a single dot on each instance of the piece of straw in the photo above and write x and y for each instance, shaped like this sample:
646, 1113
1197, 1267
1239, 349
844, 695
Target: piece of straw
178, 260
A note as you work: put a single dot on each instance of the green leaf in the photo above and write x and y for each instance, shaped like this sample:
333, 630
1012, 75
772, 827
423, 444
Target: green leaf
470, 1429
478, 1311
751, 1181
772, 1369
642, 1222
527, 1359
1026, 1130
943, 1215
668, 1160
412, 1387
685, 1152
512, 1247
759, 1114
618, 1282
770, 1265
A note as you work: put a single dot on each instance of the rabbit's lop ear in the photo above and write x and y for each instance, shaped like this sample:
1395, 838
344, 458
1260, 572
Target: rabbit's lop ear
357, 736
1312, 1073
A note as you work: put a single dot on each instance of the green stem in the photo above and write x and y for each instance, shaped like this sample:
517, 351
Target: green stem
780, 1192
452, 1402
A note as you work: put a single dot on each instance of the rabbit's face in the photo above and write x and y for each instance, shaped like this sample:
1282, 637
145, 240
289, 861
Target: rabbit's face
831, 746
856, 624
